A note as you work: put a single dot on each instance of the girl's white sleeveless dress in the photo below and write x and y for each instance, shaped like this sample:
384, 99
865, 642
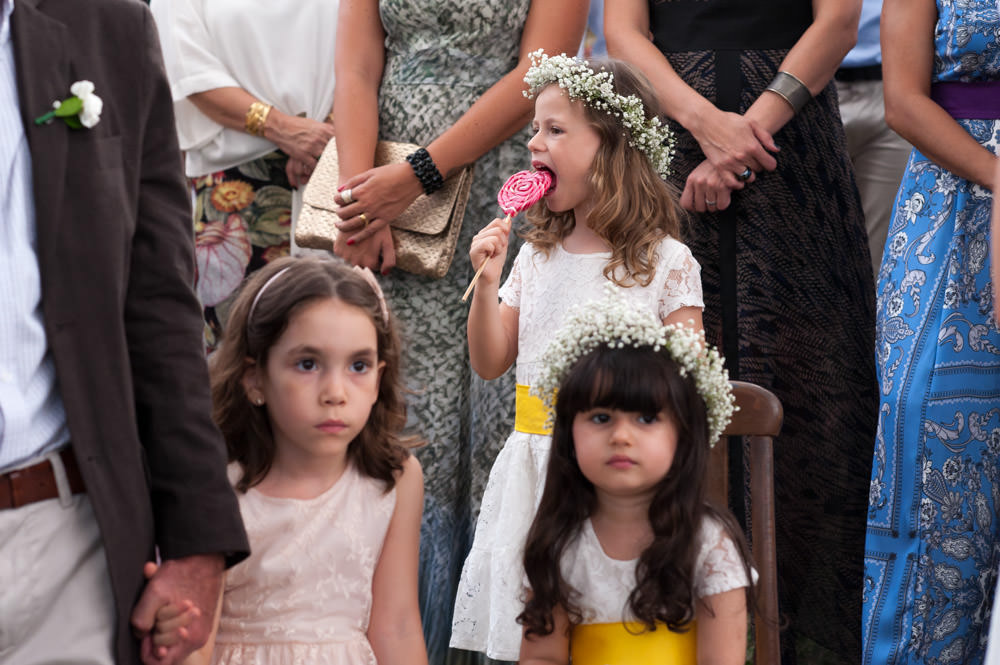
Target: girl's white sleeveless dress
544, 290
305, 593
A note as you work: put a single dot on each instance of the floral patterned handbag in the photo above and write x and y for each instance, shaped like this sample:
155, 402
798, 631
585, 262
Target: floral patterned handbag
425, 233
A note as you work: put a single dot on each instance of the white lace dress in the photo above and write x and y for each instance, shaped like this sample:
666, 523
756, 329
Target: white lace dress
305, 593
604, 584
543, 289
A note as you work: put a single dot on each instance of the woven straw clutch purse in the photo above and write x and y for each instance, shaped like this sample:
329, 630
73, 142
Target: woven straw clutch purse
425, 234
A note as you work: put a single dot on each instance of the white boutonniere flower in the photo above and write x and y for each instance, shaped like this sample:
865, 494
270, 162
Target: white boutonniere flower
82, 109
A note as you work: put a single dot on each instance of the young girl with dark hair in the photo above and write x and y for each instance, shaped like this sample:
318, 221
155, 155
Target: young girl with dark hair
608, 218
307, 392
625, 560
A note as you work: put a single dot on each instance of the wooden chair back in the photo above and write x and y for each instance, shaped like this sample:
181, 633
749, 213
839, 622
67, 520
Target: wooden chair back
759, 420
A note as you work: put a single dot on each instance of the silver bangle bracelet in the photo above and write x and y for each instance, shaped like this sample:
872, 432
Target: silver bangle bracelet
791, 89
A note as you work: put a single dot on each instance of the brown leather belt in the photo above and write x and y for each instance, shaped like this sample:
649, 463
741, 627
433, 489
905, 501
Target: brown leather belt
38, 482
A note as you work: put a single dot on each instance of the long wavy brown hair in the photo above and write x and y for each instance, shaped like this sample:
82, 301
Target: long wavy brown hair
645, 381
634, 209
378, 450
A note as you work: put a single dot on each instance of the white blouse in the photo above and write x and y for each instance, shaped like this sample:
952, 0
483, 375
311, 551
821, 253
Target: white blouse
280, 52
604, 584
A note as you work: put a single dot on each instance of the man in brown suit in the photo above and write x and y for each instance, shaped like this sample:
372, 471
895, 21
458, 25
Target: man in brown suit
107, 448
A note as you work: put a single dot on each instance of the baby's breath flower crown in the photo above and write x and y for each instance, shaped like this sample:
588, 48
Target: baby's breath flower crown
595, 89
616, 322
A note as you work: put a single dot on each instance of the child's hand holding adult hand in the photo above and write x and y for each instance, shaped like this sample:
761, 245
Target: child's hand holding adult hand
170, 629
191, 584
490, 245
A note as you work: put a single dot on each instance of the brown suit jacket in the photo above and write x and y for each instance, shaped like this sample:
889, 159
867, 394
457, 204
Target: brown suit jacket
116, 254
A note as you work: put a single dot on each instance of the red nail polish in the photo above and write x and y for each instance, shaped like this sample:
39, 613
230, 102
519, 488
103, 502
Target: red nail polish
340, 188
351, 241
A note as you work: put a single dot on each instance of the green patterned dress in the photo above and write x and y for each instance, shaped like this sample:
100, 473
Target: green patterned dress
441, 55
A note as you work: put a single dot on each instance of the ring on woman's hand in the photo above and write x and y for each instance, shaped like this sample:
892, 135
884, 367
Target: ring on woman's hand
745, 174
363, 219
346, 196
709, 203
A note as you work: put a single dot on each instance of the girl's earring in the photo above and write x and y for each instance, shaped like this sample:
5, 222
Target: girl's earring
259, 401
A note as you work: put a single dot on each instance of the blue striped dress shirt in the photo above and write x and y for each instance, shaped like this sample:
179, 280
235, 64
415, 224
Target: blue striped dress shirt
32, 419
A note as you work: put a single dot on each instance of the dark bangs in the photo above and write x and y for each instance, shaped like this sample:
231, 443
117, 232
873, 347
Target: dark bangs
629, 379
634, 380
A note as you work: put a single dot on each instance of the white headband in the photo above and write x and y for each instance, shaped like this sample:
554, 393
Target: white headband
365, 273
256, 298
369, 277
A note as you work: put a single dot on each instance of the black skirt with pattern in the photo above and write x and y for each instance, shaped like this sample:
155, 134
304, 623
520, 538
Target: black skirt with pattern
789, 297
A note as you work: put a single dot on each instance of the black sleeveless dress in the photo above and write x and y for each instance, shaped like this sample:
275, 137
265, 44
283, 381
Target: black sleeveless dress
789, 297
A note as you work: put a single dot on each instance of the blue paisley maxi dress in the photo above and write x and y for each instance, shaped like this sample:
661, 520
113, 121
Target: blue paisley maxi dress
441, 55
933, 540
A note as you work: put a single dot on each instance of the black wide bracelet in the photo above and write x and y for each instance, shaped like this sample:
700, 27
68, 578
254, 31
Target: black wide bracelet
426, 171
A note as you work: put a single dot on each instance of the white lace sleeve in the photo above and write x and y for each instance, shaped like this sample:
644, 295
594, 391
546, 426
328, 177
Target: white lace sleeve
510, 292
682, 278
719, 566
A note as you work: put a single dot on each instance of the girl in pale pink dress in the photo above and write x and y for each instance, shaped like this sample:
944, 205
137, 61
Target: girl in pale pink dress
308, 395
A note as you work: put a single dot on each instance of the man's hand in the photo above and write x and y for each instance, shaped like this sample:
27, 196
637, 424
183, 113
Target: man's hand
193, 582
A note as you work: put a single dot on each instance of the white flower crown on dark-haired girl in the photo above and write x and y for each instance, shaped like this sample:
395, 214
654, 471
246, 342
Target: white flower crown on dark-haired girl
596, 90
614, 321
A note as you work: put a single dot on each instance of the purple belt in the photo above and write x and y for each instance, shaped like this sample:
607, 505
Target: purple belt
976, 100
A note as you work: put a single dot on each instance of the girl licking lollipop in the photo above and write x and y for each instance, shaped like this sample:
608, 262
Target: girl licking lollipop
625, 560
608, 217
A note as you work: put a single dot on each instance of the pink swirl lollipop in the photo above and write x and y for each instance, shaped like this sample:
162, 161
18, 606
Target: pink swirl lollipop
522, 190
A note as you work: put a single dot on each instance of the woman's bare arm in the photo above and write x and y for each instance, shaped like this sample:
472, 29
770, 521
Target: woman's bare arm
907, 63
383, 193
729, 140
300, 138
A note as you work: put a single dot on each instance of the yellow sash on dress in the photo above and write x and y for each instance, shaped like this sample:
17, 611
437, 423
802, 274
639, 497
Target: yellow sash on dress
624, 644
531, 414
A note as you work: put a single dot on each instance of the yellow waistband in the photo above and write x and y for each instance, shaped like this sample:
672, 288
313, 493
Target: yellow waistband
531, 414
624, 644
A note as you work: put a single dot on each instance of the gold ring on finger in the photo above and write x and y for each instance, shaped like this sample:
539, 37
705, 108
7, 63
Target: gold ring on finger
364, 219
